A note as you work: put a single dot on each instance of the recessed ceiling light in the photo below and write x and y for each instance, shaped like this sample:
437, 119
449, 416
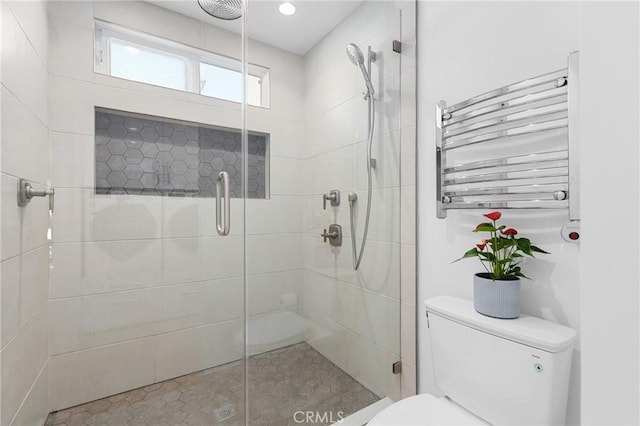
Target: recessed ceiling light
287, 8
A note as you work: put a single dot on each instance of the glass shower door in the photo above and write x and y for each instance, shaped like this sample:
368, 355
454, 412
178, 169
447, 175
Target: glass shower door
147, 309
321, 336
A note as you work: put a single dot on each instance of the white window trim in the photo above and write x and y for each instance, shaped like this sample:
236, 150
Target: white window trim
104, 31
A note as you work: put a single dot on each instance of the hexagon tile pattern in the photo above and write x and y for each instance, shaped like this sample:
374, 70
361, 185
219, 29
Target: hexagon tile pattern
280, 383
147, 155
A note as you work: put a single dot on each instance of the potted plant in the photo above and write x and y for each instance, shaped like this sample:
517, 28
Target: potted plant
496, 292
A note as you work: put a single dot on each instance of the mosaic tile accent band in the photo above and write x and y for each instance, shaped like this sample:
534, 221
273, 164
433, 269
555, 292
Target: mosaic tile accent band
146, 155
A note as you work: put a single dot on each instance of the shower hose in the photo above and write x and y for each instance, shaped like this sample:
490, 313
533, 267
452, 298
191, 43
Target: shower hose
357, 255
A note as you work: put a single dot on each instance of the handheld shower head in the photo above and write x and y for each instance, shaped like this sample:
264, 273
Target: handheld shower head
355, 54
357, 58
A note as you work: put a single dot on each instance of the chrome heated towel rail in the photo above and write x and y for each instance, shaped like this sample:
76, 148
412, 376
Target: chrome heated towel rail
515, 147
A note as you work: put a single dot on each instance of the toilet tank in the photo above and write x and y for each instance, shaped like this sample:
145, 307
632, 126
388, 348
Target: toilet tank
507, 372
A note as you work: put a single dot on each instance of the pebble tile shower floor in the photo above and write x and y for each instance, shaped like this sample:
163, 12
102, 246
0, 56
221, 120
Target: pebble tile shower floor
281, 383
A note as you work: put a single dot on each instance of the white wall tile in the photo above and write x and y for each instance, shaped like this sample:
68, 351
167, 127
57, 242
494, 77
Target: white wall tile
72, 159
371, 366
386, 150
270, 292
10, 299
277, 215
223, 42
123, 316
285, 176
223, 300
34, 283
71, 324
88, 268
273, 253
329, 338
319, 294
200, 259
83, 376
32, 17
24, 137
23, 72
330, 170
295, 141
385, 216
73, 12
209, 346
122, 217
22, 360
71, 50
180, 306
71, 106
35, 408
73, 218
373, 316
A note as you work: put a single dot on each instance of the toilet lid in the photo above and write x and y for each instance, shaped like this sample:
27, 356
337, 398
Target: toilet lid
424, 409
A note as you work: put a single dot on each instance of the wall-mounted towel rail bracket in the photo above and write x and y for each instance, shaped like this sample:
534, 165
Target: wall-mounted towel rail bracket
26, 192
516, 147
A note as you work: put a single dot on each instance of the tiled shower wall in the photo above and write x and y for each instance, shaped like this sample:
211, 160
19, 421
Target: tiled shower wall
24, 334
144, 155
138, 280
355, 315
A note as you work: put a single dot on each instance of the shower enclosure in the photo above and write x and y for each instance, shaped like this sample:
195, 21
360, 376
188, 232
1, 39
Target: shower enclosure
190, 281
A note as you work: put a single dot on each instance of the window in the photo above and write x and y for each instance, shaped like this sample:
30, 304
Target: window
136, 56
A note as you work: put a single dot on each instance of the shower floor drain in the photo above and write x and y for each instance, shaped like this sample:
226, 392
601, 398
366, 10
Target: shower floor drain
225, 412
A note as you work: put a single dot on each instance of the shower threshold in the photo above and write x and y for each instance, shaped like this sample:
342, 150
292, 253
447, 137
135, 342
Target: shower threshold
288, 386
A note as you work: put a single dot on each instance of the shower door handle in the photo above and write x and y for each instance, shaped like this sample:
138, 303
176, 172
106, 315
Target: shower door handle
222, 184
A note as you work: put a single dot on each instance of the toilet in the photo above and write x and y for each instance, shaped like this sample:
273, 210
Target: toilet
491, 371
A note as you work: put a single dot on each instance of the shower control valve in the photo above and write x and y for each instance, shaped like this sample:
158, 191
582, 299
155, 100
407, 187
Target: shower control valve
334, 235
333, 196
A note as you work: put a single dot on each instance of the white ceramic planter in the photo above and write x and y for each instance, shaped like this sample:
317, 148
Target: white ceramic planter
498, 299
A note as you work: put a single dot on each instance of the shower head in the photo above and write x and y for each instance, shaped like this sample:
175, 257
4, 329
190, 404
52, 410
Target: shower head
222, 9
357, 58
355, 54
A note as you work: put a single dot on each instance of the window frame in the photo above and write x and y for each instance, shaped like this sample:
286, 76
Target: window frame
193, 57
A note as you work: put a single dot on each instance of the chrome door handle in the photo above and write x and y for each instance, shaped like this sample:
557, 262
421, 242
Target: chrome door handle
222, 183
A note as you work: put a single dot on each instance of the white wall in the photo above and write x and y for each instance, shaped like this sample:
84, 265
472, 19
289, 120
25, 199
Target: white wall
604, 387
24, 252
464, 49
145, 282
609, 259
355, 315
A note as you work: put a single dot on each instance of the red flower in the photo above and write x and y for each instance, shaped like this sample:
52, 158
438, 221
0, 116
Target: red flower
493, 215
509, 231
482, 244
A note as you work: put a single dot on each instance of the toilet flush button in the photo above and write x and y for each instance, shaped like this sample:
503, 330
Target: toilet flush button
538, 368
